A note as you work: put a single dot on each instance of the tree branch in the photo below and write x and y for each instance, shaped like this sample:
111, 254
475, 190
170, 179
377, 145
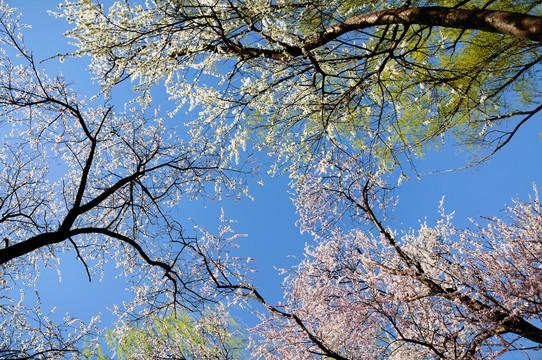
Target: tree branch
514, 24
503, 22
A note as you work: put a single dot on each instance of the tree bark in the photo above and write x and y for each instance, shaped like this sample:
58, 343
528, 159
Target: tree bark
503, 22
27, 246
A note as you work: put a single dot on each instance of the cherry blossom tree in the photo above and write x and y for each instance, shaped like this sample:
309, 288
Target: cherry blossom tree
307, 80
342, 93
101, 184
437, 292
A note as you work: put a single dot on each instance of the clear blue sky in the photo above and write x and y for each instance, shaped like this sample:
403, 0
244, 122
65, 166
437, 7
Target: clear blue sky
269, 220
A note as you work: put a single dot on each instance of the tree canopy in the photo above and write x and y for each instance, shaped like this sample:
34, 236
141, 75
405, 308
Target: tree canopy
435, 292
345, 96
381, 81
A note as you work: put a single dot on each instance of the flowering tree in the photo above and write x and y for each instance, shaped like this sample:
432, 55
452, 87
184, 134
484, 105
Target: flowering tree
307, 80
95, 182
438, 292
348, 91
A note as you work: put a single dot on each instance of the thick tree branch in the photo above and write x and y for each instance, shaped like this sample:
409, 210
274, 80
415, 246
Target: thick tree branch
514, 24
503, 22
38, 241
31, 244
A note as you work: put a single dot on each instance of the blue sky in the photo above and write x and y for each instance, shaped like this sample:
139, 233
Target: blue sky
269, 220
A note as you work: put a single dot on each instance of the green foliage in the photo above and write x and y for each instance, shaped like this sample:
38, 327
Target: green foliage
213, 335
